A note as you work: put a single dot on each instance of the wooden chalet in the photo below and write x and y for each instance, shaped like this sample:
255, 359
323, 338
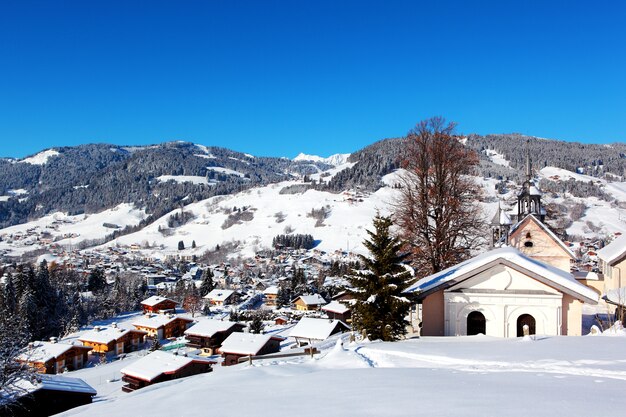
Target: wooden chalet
158, 304
53, 358
310, 330
113, 340
271, 295
309, 302
208, 335
239, 345
160, 366
162, 326
218, 297
50, 394
337, 311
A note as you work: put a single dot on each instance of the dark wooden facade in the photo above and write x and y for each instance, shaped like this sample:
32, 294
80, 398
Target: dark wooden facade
232, 358
165, 305
211, 344
194, 368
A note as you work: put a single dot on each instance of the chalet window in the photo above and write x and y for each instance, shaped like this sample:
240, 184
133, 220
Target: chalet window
528, 244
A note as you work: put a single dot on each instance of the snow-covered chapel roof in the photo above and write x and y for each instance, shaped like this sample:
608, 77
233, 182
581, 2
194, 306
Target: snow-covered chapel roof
550, 275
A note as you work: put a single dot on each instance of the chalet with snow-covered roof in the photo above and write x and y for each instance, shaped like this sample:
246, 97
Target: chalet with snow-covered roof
239, 345
160, 366
162, 326
612, 264
310, 330
48, 395
208, 334
497, 293
337, 311
158, 304
53, 357
113, 340
218, 297
309, 302
271, 295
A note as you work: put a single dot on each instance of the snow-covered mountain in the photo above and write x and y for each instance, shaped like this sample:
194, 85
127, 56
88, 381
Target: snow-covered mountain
334, 160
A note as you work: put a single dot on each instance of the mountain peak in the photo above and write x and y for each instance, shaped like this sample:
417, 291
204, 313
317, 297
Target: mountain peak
336, 159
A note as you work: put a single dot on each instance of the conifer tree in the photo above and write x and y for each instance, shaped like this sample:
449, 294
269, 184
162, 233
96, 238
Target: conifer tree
380, 309
207, 284
256, 325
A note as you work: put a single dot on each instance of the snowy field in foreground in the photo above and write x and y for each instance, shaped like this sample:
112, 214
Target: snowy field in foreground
463, 376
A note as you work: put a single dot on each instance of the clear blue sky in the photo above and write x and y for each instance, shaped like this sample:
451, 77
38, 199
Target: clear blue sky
280, 77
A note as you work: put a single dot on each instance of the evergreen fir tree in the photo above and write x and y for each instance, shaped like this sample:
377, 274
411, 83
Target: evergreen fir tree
256, 325
156, 344
380, 309
96, 281
207, 284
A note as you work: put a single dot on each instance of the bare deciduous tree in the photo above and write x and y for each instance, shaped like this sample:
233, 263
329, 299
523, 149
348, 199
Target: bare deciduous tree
437, 211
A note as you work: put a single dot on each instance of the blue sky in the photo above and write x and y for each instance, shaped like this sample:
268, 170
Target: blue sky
277, 78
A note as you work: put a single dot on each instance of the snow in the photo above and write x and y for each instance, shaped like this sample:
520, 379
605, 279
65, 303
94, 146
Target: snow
154, 321
497, 158
208, 327
44, 351
219, 295
457, 376
614, 250
194, 179
335, 307
557, 276
105, 335
41, 158
317, 329
334, 160
156, 363
314, 299
226, 171
617, 296
154, 300
244, 343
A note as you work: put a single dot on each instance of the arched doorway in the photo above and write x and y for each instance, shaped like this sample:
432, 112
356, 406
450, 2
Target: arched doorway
525, 319
476, 323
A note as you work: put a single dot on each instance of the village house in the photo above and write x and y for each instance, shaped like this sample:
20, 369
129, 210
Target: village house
497, 293
162, 326
160, 366
218, 297
208, 334
309, 302
310, 330
271, 295
48, 395
239, 345
53, 357
337, 311
612, 264
113, 340
158, 304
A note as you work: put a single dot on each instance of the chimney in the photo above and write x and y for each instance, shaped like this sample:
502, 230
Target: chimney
53, 339
114, 324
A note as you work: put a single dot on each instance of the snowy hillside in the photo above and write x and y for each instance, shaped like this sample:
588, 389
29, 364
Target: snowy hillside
334, 160
464, 376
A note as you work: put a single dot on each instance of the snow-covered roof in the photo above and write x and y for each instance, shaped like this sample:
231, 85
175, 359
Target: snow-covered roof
106, 335
208, 327
318, 329
154, 300
554, 237
157, 363
552, 275
245, 343
614, 250
617, 296
219, 295
313, 299
63, 383
335, 307
44, 351
154, 321
273, 290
